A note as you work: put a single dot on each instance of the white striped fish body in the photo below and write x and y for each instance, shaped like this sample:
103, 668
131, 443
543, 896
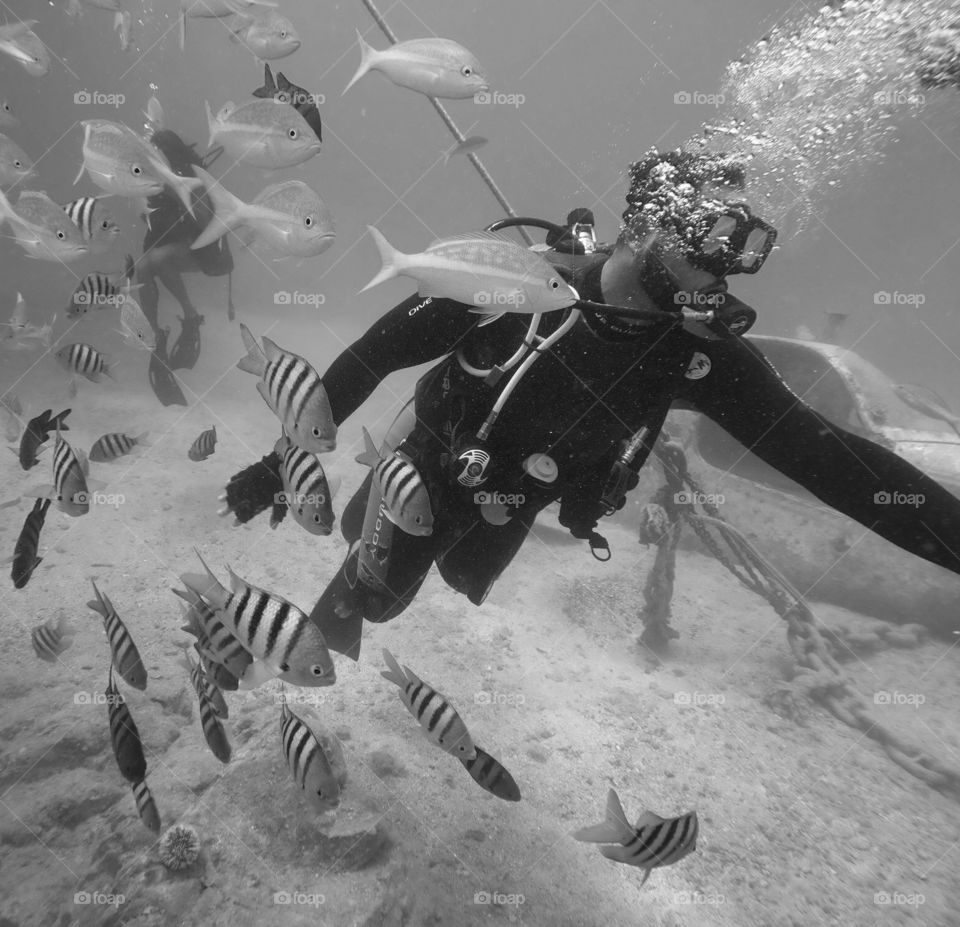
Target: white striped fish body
70, 479
85, 360
52, 638
438, 718
294, 392
308, 763
146, 806
405, 497
99, 290
214, 638
213, 731
127, 746
205, 688
94, 221
307, 491
271, 628
126, 657
490, 774
111, 446
653, 842
204, 444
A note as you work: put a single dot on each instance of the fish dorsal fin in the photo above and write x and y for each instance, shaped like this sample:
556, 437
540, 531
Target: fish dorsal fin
499, 237
649, 819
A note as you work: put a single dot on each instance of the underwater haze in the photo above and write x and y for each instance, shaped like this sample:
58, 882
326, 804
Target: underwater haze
768, 688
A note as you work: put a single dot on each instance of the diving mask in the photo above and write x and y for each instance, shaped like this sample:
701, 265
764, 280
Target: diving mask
732, 240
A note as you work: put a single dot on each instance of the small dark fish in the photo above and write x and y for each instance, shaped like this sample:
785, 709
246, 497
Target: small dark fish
37, 431
204, 445
308, 762
25, 559
284, 91
491, 775
126, 657
162, 380
127, 746
52, 638
213, 732
437, 717
927, 402
111, 446
146, 806
655, 841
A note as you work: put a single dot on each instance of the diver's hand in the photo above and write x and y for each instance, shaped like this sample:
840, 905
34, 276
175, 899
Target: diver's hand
254, 490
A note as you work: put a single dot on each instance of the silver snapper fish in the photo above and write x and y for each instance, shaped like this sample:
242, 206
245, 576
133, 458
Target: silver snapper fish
7, 118
294, 392
269, 36
20, 42
485, 270
119, 161
271, 628
95, 222
288, 218
15, 165
262, 133
214, 9
653, 842
436, 67
135, 327
306, 490
42, 228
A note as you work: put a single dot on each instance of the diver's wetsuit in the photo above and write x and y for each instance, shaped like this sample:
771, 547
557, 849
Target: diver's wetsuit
577, 403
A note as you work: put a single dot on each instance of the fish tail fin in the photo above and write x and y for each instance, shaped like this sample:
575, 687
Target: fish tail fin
389, 256
66, 630
129, 268
370, 456
615, 829
98, 605
206, 585
141, 439
393, 672
182, 186
367, 57
228, 210
255, 361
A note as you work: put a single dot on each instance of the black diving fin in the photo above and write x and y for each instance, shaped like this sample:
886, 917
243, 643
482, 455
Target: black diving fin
162, 381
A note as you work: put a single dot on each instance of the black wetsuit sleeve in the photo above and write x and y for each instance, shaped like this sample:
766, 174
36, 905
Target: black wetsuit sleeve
745, 395
412, 333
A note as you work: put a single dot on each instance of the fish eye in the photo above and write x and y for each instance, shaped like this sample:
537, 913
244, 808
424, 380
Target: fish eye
554, 283
18, 163
308, 222
315, 432
61, 235
283, 33
6, 106
136, 170
419, 519
316, 669
293, 134
104, 224
466, 70
284, 667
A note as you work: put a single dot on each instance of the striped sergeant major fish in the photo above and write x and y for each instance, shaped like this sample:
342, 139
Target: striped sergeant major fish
306, 491
85, 360
203, 686
146, 806
52, 638
25, 559
308, 762
492, 776
215, 641
36, 433
294, 392
71, 488
100, 290
405, 497
655, 841
94, 221
204, 445
109, 447
126, 657
443, 726
271, 628
127, 746
213, 731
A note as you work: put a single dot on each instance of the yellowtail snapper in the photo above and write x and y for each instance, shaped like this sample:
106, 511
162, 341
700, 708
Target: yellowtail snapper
263, 133
42, 228
491, 775
15, 165
25, 559
271, 628
8, 119
52, 638
405, 497
294, 391
20, 42
127, 746
214, 9
438, 718
204, 444
213, 731
653, 842
146, 806
307, 492
36, 433
109, 447
308, 762
268, 35
304, 102
126, 657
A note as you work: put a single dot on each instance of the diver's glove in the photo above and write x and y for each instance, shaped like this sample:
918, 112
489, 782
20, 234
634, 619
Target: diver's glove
254, 490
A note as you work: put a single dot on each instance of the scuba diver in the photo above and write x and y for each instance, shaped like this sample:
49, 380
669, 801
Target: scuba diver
166, 250
496, 436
